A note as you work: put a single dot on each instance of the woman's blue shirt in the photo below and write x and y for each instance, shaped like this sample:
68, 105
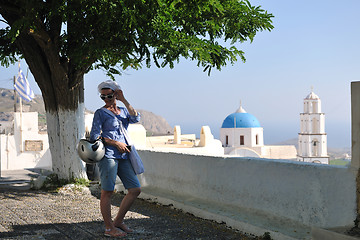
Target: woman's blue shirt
105, 125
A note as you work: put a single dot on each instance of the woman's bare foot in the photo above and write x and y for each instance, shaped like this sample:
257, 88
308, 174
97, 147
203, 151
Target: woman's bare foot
123, 227
115, 232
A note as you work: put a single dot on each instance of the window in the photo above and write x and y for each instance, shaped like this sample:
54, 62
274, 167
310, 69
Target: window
257, 139
242, 140
226, 140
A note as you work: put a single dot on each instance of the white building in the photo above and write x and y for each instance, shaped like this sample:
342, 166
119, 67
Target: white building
207, 145
25, 147
242, 135
312, 136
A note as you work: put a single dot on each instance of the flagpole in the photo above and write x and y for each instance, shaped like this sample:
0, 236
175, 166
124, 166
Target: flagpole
22, 86
15, 96
21, 123
21, 128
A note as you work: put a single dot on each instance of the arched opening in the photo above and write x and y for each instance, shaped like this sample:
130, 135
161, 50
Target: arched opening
315, 147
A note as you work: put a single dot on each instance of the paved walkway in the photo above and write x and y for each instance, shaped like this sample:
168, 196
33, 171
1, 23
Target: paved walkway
19, 179
27, 214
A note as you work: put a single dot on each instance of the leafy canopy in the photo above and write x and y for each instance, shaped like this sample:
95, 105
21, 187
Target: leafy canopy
115, 35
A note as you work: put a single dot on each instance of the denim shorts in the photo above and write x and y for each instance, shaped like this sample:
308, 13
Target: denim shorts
109, 168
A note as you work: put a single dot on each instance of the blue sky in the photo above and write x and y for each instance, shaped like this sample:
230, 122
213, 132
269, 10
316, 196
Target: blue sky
314, 43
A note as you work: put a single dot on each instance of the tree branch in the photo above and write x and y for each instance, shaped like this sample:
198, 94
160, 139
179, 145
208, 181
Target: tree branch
10, 7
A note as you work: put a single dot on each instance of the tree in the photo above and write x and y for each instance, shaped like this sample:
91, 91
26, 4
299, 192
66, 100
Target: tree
61, 40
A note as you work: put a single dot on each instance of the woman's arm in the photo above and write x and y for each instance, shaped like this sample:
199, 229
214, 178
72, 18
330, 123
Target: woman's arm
96, 126
120, 96
119, 145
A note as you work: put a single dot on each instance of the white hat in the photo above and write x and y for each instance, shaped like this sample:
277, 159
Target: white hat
109, 84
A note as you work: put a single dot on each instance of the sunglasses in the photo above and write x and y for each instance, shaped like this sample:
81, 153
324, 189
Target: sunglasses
104, 96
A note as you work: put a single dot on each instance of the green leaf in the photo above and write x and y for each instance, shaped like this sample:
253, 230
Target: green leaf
114, 35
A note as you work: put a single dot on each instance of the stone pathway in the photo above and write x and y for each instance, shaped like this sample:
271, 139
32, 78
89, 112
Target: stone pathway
26, 214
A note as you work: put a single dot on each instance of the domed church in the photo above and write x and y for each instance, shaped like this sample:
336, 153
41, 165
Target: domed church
242, 135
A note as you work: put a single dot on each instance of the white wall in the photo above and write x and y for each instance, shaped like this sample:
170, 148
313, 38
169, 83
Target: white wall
248, 133
279, 152
312, 194
13, 152
137, 134
306, 123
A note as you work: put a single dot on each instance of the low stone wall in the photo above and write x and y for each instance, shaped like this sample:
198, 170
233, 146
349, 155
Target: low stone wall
311, 194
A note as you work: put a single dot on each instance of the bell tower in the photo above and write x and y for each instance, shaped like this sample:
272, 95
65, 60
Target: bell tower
312, 137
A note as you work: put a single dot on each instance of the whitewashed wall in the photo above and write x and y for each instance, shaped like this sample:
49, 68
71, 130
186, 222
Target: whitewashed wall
13, 152
248, 133
279, 152
311, 194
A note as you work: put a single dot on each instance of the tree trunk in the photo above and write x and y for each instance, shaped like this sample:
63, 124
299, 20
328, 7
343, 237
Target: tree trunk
63, 93
60, 78
65, 128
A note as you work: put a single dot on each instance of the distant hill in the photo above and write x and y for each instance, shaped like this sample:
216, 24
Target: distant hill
7, 106
7, 102
154, 124
293, 141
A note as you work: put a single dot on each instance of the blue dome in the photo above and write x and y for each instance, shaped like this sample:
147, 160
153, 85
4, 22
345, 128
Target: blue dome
241, 119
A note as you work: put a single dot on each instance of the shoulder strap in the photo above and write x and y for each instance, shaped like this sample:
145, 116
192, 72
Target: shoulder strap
124, 131
108, 112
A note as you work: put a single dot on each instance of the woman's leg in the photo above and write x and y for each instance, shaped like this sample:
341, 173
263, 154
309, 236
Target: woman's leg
132, 184
108, 171
105, 208
125, 205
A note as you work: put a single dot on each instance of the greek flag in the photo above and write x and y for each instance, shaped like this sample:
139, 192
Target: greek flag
22, 86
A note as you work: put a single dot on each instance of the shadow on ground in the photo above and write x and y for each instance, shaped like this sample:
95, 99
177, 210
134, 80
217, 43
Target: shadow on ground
43, 215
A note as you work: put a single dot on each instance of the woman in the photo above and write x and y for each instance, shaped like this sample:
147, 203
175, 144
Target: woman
115, 161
